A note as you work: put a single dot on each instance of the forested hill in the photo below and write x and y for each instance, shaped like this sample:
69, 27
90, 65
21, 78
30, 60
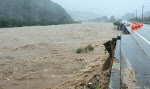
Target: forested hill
35, 10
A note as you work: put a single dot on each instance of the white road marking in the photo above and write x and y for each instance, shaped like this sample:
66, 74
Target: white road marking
142, 37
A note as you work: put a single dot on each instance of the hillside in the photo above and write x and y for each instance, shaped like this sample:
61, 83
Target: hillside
34, 10
101, 19
127, 16
82, 16
146, 14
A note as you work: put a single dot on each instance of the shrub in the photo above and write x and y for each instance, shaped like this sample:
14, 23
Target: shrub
85, 49
90, 47
117, 23
114, 40
79, 50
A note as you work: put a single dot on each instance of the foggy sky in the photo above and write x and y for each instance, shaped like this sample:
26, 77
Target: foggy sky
106, 7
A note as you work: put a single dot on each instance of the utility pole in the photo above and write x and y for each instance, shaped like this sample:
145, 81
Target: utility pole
142, 12
133, 16
136, 14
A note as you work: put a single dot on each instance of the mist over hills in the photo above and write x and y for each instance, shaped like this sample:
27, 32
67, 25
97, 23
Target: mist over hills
34, 10
146, 14
82, 16
128, 16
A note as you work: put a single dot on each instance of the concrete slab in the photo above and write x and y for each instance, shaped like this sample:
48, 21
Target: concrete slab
115, 73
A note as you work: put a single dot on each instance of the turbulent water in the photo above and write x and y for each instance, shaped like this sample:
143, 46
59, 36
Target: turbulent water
44, 57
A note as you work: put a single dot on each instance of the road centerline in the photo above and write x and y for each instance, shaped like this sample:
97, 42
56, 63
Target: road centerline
142, 37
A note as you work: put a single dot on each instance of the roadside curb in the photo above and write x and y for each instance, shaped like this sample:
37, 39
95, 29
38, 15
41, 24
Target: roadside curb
114, 82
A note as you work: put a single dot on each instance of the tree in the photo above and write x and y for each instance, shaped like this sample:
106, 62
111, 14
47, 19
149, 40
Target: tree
112, 19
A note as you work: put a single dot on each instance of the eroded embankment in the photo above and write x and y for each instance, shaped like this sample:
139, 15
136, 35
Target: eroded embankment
101, 79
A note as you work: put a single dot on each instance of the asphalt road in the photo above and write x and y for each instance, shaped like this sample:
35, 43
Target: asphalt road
136, 48
131, 51
142, 37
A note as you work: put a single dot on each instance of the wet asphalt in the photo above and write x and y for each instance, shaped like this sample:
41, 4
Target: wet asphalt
132, 52
142, 37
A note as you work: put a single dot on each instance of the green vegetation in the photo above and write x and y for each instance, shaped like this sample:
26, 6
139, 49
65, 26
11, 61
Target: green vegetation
147, 23
17, 13
85, 49
146, 20
6, 22
104, 19
79, 50
112, 19
114, 40
117, 23
109, 44
90, 48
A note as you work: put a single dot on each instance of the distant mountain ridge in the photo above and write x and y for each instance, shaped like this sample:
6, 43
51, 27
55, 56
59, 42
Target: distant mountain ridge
128, 16
33, 9
146, 14
101, 19
131, 15
82, 16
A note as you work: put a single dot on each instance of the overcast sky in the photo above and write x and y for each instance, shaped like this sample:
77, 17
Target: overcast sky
105, 7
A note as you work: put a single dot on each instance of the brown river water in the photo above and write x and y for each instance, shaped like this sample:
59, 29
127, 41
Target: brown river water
44, 57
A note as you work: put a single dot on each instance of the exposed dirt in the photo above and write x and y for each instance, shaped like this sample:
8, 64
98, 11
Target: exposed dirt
101, 80
44, 57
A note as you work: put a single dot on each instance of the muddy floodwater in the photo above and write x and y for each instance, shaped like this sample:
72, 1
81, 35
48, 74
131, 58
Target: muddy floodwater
44, 57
